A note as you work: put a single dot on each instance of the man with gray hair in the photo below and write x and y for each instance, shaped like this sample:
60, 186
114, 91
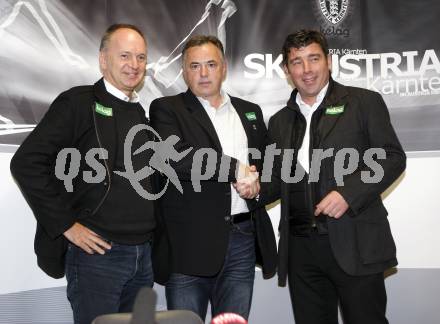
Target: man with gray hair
97, 232
212, 238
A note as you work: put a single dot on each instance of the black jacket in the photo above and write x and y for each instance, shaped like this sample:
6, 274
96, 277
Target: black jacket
361, 239
67, 124
195, 232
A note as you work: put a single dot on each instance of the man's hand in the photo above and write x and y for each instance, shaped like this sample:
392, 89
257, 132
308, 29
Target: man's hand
248, 184
86, 239
332, 205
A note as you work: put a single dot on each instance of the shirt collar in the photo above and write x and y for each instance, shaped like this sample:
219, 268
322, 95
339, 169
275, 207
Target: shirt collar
305, 108
225, 101
119, 94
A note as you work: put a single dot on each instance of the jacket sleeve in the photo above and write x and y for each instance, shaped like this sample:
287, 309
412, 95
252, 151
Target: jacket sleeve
33, 167
164, 120
357, 192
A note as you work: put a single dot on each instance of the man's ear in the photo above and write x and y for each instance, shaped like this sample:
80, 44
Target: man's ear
329, 62
288, 78
286, 71
102, 61
225, 70
184, 75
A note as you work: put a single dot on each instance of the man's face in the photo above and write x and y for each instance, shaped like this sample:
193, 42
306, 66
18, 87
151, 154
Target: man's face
123, 60
309, 69
204, 70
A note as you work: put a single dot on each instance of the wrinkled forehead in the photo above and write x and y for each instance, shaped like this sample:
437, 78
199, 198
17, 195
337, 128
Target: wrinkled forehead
127, 38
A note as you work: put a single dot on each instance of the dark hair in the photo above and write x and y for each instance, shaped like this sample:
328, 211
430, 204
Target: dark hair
303, 38
199, 40
110, 31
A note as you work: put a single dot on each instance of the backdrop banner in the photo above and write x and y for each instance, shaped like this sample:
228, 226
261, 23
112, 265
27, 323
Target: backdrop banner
386, 46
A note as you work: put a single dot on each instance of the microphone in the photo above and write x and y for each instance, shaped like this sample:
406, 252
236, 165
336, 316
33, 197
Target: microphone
144, 309
228, 318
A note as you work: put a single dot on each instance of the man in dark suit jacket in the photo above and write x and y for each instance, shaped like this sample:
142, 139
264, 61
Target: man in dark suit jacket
87, 231
212, 238
335, 239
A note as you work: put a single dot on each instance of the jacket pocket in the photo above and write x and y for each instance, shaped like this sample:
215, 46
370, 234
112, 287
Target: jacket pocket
375, 241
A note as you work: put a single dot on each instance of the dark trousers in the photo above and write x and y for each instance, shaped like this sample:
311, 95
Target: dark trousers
102, 284
230, 291
317, 284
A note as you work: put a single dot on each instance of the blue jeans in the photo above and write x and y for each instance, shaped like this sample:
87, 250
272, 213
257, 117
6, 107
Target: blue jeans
101, 284
228, 291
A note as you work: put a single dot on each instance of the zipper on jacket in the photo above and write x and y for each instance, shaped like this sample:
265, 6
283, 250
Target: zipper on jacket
311, 146
105, 163
308, 186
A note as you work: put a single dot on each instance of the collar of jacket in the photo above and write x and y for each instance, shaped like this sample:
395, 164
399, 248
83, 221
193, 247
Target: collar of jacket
336, 93
199, 113
105, 126
107, 99
324, 124
201, 116
191, 101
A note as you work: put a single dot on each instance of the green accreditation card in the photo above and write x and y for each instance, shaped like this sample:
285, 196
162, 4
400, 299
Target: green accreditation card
334, 110
251, 116
105, 111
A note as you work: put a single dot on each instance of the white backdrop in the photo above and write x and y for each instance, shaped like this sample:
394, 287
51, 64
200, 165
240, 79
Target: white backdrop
413, 214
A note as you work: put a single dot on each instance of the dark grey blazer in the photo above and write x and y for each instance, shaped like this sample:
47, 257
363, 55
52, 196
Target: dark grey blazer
361, 239
193, 232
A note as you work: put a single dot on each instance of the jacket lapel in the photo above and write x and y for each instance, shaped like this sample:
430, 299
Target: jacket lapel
249, 124
292, 133
104, 123
105, 129
200, 115
332, 108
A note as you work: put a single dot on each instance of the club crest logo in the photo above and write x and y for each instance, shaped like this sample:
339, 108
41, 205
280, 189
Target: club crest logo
334, 10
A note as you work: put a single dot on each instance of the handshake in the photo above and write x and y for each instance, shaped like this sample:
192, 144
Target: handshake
247, 184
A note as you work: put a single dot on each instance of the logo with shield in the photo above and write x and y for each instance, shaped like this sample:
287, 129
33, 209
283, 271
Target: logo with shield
334, 10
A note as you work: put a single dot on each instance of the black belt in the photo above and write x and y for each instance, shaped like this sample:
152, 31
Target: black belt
240, 218
308, 229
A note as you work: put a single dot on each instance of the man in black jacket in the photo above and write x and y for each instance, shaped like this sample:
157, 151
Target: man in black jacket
335, 239
91, 210
212, 238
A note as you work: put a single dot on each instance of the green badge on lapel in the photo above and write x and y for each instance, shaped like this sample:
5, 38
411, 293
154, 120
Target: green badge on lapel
251, 116
105, 111
334, 110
